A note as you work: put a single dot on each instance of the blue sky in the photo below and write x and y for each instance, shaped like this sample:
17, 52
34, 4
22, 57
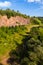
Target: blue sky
29, 7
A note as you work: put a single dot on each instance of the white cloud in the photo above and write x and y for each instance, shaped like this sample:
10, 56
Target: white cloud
33, 0
30, 0
5, 4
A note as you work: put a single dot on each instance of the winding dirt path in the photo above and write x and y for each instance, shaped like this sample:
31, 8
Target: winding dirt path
4, 59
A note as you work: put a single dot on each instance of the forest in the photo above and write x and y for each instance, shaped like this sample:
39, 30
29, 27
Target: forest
23, 44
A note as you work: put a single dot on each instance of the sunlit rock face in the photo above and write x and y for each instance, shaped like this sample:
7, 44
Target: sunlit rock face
13, 21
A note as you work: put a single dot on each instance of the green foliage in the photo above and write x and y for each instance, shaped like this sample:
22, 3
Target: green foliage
41, 19
35, 21
10, 13
25, 48
10, 37
30, 52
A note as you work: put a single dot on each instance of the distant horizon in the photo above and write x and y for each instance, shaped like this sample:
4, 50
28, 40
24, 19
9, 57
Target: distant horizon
28, 7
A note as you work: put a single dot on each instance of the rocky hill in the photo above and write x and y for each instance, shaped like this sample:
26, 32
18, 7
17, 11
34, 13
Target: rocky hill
13, 21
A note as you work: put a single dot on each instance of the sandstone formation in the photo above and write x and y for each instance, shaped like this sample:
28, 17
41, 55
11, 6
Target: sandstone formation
13, 21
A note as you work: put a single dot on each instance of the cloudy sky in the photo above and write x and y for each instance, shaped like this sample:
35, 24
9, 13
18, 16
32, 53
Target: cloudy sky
29, 7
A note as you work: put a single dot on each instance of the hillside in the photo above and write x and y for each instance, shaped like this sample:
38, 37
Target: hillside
13, 21
21, 39
12, 18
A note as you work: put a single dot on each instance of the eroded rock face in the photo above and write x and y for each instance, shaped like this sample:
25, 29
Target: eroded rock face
13, 21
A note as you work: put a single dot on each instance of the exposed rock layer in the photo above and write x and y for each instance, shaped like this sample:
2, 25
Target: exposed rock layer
13, 21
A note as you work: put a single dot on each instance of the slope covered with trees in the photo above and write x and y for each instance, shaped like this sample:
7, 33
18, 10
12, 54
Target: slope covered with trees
10, 13
22, 44
30, 52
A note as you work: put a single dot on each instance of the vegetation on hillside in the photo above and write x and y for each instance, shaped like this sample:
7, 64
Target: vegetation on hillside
25, 48
30, 52
41, 18
10, 37
35, 21
10, 13
23, 44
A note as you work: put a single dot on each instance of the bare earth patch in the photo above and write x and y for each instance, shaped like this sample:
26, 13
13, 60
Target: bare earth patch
13, 21
4, 59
